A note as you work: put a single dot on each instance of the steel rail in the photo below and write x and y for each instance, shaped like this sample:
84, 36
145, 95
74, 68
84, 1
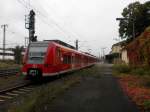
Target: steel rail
8, 72
15, 87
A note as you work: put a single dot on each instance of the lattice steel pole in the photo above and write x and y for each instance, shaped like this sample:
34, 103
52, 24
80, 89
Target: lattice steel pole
4, 39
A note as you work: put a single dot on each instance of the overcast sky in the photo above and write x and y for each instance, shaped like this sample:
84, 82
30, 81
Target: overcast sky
92, 22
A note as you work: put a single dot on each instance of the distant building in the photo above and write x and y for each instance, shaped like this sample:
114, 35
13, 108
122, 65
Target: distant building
117, 54
9, 54
116, 48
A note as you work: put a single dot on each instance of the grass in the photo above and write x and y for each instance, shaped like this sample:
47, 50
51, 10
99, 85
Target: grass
8, 64
141, 71
10, 80
122, 68
93, 71
126, 69
146, 105
38, 100
135, 81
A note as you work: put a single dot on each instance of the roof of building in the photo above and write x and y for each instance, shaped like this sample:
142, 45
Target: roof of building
122, 43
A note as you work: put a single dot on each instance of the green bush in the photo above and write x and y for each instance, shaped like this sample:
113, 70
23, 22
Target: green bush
138, 71
141, 71
147, 105
145, 70
122, 68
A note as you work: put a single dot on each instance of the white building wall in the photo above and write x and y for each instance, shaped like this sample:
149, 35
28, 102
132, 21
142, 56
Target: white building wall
124, 56
6, 57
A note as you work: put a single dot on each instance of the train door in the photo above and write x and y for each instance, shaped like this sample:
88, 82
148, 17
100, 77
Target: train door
73, 60
82, 61
58, 56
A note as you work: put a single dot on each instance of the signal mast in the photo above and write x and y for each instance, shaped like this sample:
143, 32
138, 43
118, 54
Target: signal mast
30, 25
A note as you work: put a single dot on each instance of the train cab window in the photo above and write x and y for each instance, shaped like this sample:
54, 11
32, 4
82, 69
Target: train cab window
37, 52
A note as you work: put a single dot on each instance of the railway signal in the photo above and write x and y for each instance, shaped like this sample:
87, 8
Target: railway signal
30, 25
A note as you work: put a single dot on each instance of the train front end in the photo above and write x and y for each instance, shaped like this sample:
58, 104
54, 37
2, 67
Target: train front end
35, 59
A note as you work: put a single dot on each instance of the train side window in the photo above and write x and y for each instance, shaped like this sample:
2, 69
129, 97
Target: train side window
76, 60
73, 60
67, 59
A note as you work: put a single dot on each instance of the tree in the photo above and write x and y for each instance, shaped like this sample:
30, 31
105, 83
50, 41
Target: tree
136, 19
18, 54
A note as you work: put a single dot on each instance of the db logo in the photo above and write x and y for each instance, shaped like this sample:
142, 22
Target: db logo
34, 66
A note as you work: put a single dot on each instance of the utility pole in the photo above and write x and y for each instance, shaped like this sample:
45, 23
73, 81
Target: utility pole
133, 21
103, 53
77, 46
99, 55
4, 34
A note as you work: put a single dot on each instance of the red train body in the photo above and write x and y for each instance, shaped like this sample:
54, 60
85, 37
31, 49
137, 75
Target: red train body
48, 58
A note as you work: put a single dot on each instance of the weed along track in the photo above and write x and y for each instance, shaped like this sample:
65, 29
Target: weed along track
12, 92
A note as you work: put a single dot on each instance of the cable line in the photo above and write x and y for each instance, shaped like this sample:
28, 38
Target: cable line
40, 15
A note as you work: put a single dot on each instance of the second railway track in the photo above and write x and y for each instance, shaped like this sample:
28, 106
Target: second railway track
9, 72
14, 91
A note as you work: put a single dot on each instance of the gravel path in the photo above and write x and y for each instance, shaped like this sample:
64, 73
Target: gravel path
94, 95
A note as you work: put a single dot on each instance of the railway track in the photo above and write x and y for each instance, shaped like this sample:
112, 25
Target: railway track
8, 72
12, 92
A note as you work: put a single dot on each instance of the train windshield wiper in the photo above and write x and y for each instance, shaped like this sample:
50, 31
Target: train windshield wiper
37, 57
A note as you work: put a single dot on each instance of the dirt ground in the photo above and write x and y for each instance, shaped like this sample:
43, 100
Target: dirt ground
94, 95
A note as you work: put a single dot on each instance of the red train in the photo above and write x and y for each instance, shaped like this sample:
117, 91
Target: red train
54, 57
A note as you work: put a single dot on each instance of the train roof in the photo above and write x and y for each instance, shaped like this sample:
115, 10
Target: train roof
76, 51
61, 43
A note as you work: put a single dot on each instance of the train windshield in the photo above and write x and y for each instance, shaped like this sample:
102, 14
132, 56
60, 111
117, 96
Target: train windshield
37, 52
